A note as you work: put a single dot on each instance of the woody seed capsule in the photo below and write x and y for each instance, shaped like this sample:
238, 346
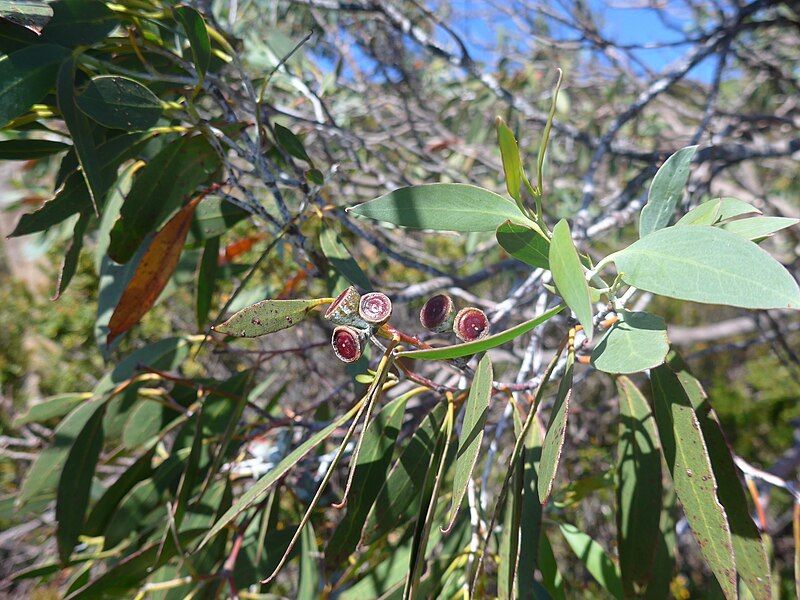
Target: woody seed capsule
437, 313
344, 310
347, 343
471, 324
375, 308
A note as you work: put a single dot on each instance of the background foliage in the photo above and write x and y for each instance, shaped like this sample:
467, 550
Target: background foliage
216, 145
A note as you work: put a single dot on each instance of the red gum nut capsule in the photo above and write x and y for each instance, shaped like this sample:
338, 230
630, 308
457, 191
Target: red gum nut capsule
344, 310
346, 343
437, 313
375, 308
471, 324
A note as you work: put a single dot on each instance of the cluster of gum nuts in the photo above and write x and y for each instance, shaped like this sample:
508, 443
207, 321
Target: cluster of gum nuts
357, 317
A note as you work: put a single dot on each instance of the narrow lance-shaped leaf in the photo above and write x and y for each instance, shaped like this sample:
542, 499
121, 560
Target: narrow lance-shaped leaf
525, 243
195, 28
752, 561
70, 264
531, 519
509, 549
30, 149
666, 191
206, 280
597, 561
119, 103
25, 77
492, 341
76, 482
756, 228
710, 265
568, 276
688, 462
269, 316
341, 259
638, 489
441, 207
556, 432
469, 442
152, 273
636, 342
50, 408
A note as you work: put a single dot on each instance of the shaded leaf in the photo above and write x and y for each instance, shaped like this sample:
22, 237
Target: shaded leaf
206, 280
309, 575
27, 149
14, 36
552, 579
75, 483
492, 341
215, 217
291, 143
441, 207
119, 103
556, 432
689, 464
269, 316
666, 191
531, 521
756, 228
341, 260
70, 264
509, 548
143, 423
710, 265
152, 273
160, 188
636, 342
469, 441
25, 78
79, 22
30, 13
598, 563
199, 42
638, 489
524, 243
568, 276
50, 408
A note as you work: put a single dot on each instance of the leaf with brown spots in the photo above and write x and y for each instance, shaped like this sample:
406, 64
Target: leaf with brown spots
269, 316
153, 272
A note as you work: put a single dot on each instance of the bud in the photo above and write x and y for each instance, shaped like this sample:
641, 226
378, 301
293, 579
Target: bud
375, 308
437, 313
344, 310
471, 324
347, 343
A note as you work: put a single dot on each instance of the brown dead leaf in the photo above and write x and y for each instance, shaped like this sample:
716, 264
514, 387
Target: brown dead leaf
153, 272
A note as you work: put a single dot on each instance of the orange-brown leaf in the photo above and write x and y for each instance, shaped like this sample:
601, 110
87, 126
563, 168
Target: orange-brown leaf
153, 272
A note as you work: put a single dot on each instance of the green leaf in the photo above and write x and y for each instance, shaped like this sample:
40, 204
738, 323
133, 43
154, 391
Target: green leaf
25, 78
395, 503
309, 575
598, 563
531, 521
206, 280
75, 483
143, 422
752, 561
41, 480
552, 579
689, 464
73, 253
268, 316
28, 149
512, 164
160, 188
256, 491
199, 42
164, 354
97, 181
291, 143
525, 243
710, 265
29, 13
556, 432
469, 442
756, 228
79, 22
370, 473
638, 489
119, 103
492, 341
50, 408
14, 36
441, 207
636, 342
712, 212
214, 217
341, 259
509, 547
569, 277
666, 191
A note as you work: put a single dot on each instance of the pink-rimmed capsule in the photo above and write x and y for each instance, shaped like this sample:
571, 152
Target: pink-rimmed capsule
437, 313
471, 324
375, 308
344, 310
347, 343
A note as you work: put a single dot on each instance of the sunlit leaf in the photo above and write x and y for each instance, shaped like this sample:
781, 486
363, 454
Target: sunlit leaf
119, 103
441, 207
717, 210
756, 228
556, 431
666, 191
568, 275
598, 563
636, 342
710, 265
195, 28
269, 316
